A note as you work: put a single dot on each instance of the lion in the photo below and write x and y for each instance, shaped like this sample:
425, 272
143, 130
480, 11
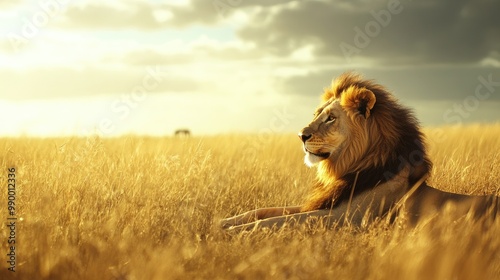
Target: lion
371, 161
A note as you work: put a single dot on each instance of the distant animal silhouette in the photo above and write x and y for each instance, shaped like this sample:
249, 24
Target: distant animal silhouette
182, 132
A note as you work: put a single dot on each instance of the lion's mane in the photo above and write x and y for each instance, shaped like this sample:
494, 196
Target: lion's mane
382, 142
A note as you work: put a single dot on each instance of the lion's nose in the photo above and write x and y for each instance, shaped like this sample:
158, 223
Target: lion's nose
304, 137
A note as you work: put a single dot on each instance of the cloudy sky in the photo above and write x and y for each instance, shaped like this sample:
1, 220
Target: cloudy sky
216, 66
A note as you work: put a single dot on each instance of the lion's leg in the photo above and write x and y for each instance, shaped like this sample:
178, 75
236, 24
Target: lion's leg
278, 222
344, 213
244, 218
259, 214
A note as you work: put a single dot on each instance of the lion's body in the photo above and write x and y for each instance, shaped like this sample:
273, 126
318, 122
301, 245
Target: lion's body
369, 152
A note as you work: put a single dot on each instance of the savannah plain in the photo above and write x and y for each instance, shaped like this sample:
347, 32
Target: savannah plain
148, 208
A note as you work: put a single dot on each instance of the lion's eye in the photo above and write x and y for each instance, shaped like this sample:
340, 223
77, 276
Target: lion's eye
330, 119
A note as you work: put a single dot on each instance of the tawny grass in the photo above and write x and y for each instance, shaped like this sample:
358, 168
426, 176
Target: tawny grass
148, 208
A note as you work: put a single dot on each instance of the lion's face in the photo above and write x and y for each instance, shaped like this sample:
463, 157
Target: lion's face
338, 129
324, 137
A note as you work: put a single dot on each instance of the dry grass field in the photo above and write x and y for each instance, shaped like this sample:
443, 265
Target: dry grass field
147, 208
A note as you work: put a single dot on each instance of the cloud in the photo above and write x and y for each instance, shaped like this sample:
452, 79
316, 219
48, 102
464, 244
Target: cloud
62, 82
112, 15
140, 15
407, 83
217, 53
392, 31
150, 15
417, 32
296, 42
93, 67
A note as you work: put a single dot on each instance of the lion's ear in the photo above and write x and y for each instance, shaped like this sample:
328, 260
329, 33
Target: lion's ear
359, 100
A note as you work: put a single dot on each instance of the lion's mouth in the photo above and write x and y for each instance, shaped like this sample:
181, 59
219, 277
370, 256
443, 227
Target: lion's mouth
321, 155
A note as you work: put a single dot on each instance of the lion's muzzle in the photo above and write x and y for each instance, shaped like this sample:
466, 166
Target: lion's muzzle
304, 137
305, 134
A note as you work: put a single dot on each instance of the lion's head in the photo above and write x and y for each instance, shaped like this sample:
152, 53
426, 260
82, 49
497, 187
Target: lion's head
339, 124
360, 127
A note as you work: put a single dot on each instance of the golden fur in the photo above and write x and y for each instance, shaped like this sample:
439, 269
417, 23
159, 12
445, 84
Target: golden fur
382, 137
369, 152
